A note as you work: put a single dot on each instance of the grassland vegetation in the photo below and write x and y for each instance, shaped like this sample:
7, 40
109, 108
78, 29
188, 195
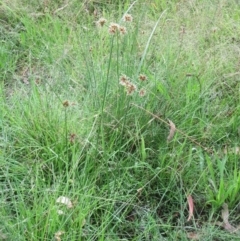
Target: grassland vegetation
119, 120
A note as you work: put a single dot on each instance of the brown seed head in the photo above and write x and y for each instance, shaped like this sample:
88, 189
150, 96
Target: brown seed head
101, 22
123, 80
131, 88
142, 92
113, 28
66, 103
128, 18
142, 77
72, 137
122, 30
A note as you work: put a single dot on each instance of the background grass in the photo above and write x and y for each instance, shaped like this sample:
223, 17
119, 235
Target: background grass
68, 128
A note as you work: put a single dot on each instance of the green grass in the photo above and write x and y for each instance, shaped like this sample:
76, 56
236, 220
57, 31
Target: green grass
68, 128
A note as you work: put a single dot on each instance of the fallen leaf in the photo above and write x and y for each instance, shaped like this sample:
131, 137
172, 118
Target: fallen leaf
225, 215
65, 200
190, 207
58, 234
171, 131
139, 191
25, 81
193, 236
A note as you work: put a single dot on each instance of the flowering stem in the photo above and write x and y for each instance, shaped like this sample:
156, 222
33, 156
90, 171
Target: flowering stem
148, 43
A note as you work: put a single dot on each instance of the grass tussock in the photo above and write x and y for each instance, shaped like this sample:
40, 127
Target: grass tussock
119, 120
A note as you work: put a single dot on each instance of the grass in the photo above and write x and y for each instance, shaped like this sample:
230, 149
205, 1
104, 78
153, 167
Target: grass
70, 129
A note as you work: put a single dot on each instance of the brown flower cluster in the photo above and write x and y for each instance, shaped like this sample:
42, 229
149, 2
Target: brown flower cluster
101, 22
142, 77
114, 28
142, 92
128, 18
122, 30
66, 103
130, 87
